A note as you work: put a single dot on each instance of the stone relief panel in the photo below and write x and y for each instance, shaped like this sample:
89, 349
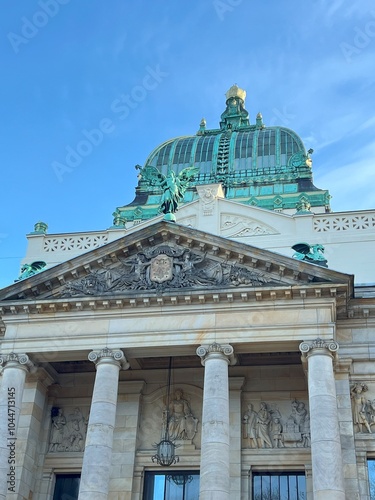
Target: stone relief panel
363, 408
232, 226
182, 422
68, 430
272, 427
164, 267
188, 221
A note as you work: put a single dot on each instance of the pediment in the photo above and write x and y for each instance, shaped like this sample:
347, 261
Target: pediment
167, 258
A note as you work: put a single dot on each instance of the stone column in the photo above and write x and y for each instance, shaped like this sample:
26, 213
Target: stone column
99, 440
326, 456
215, 471
14, 370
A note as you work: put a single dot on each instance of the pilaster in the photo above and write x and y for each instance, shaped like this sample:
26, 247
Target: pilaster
122, 481
235, 428
29, 430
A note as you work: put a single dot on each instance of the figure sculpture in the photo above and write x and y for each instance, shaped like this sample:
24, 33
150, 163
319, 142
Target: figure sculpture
359, 406
310, 253
277, 436
263, 426
28, 270
174, 187
250, 421
57, 432
182, 424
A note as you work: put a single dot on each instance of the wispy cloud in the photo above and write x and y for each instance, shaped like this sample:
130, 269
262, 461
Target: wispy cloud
348, 183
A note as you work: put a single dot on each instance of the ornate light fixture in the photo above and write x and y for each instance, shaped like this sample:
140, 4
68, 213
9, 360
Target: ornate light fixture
165, 449
179, 479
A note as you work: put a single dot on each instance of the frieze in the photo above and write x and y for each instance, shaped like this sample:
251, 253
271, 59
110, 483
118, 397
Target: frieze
162, 268
68, 432
268, 428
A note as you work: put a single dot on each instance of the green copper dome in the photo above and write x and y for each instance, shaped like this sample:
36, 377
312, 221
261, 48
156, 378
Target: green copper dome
249, 152
264, 166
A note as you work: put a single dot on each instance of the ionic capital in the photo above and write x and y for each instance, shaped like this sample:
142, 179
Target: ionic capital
323, 346
107, 355
14, 360
216, 350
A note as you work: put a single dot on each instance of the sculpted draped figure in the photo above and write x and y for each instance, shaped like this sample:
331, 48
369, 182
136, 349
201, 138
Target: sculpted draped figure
250, 421
263, 426
359, 406
174, 187
182, 424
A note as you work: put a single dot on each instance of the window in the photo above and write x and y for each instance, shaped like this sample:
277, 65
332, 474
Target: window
66, 487
176, 485
371, 477
279, 486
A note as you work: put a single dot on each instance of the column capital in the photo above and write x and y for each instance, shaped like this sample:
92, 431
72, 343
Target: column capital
324, 346
107, 355
217, 350
14, 360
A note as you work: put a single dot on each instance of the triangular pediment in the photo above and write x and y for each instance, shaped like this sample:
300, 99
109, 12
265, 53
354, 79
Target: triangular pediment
165, 258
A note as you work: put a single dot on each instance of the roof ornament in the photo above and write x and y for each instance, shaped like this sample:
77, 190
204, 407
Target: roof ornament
310, 253
28, 270
235, 115
235, 92
259, 121
40, 228
174, 187
202, 126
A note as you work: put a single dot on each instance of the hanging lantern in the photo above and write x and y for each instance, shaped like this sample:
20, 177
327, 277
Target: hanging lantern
165, 449
179, 479
165, 453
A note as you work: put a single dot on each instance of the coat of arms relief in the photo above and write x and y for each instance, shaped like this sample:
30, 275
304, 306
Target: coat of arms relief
161, 268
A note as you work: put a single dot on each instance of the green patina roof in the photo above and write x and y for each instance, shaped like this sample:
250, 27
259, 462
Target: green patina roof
258, 165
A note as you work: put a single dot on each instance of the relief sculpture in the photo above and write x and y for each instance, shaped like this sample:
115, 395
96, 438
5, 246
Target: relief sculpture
267, 428
68, 433
161, 268
363, 408
182, 424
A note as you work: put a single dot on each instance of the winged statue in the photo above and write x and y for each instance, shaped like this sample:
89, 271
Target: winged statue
173, 185
28, 270
310, 253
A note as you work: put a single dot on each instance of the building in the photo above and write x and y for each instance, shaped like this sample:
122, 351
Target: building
198, 338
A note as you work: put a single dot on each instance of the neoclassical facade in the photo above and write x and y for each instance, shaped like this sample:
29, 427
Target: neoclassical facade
223, 351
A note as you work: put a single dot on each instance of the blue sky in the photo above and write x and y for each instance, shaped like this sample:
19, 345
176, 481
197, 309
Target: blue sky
146, 71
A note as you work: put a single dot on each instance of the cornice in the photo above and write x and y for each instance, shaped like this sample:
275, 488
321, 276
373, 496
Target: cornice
313, 295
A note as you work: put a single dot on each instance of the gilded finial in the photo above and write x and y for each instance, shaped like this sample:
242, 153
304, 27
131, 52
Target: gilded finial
235, 91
